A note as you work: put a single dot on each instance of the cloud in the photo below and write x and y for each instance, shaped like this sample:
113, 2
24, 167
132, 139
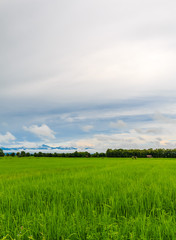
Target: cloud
141, 138
7, 138
134, 51
118, 124
101, 142
159, 139
163, 119
87, 128
119, 64
149, 131
43, 131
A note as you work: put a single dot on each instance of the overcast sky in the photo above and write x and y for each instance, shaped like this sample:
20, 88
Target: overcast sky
88, 74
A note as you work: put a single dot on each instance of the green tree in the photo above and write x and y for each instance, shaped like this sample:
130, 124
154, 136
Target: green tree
23, 154
1, 153
18, 154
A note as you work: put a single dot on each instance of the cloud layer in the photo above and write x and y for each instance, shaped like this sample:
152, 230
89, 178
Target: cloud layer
81, 74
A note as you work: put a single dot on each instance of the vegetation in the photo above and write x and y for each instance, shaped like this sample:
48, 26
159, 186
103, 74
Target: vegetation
90, 198
1, 153
75, 154
157, 153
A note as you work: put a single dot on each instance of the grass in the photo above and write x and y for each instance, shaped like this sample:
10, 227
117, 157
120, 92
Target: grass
71, 198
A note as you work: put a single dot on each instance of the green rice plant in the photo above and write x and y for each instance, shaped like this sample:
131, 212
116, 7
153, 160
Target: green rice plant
87, 198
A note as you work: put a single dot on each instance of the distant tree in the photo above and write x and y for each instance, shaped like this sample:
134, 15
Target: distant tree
87, 154
23, 154
55, 155
109, 153
157, 153
18, 154
28, 154
95, 154
35, 154
40, 154
1, 153
75, 154
102, 154
7, 154
12, 154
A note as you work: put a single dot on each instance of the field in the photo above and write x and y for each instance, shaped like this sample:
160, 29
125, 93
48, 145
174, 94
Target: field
71, 198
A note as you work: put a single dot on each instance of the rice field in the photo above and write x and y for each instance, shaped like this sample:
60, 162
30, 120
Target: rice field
87, 198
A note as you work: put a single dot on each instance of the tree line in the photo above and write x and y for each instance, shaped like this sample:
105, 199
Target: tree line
157, 153
142, 153
42, 154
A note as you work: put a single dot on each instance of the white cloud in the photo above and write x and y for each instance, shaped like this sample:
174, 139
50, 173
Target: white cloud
87, 128
7, 137
43, 131
118, 124
101, 142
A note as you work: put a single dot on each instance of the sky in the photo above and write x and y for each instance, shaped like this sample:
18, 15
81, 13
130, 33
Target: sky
87, 75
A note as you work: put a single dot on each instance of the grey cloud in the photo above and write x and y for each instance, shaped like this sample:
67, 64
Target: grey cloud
138, 130
119, 124
163, 119
159, 139
154, 131
87, 128
149, 131
48, 38
141, 138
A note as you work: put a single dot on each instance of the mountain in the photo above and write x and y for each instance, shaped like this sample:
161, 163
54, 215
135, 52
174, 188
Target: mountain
38, 148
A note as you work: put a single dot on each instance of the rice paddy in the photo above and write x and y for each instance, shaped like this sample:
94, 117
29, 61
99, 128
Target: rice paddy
87, 198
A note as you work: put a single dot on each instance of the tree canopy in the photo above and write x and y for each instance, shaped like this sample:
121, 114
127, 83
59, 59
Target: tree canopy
1, 153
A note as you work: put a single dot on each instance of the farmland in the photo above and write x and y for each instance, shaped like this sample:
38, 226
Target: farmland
87, 198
